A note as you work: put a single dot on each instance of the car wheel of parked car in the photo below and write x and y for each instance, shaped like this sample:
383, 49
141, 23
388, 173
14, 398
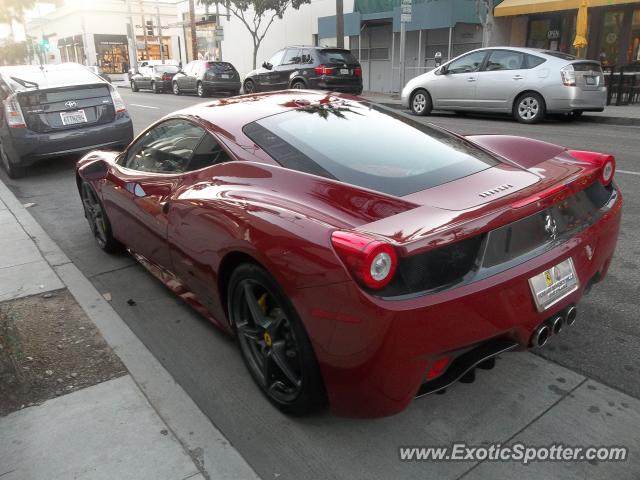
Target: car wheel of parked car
529, 108
134, 87
154, 87
421, 103
273, 341
249, 86
200, 90
13, 170
298, 85
176, 88
98, 220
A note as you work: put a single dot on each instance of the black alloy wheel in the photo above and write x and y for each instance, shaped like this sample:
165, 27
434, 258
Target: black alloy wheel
273, 342
97, 218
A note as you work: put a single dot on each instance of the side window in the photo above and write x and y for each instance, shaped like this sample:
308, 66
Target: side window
505, 60
208, 152
306, 58
292, 57
533, 61
467, 64
276, 58
166, 148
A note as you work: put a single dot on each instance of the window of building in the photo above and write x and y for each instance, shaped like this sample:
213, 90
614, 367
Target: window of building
633, 54
610, 36
379, 54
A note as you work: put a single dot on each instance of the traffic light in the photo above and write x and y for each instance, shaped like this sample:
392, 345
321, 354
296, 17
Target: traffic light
44, 44
149, 28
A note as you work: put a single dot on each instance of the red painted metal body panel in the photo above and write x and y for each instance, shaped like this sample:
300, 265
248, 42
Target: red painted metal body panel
373, 352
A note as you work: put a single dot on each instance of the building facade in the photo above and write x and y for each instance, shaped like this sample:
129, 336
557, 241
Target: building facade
96, 33
613, 28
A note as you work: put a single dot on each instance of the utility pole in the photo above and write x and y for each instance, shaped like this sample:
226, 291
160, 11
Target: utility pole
192, 29
218, 42
339, 24
133, 47
405, 17
144, 30
159, 27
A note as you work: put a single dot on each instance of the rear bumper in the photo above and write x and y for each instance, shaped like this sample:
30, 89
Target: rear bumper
27, 147
222, 86
374, 353
335, 86
563, 99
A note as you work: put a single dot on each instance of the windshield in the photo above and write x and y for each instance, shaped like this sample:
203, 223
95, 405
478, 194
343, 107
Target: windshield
367, 146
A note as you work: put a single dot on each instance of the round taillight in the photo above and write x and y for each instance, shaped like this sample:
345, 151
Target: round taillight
379, 265
607, 172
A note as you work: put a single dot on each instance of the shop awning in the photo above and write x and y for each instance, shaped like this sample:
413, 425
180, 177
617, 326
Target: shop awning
524, 7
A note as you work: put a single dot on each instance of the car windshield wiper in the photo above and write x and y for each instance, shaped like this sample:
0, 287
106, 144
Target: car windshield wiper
25, 83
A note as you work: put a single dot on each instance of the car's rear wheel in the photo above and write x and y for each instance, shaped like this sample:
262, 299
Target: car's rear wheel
273, 341
529, 108
200, 90
298, 85
98, 220
421, 103
249, 86
154, 87
175, 88
13, 170
134, 87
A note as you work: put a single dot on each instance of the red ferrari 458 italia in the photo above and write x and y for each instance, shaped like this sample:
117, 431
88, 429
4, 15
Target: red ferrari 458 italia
359, 257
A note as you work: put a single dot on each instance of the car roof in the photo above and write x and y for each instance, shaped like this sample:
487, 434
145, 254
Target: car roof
546, 53
49, 75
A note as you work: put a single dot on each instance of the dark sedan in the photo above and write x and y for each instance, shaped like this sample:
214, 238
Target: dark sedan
156, 78
204, 78
56, 110
321, 68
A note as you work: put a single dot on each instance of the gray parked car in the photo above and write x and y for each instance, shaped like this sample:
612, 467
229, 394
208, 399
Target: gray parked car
56, 110
526, 82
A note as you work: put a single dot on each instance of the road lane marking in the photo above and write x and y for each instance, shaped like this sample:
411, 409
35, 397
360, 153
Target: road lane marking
628, 172
142, 106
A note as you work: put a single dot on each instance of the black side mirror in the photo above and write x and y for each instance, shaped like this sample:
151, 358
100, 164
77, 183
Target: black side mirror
267, 65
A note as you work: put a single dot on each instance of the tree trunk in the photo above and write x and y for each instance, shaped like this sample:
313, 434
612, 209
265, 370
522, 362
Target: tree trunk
192, 28
255, 53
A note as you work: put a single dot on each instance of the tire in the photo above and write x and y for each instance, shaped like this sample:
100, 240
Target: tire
529, 108
98, 221
134, 87
420, 103
154, 87
175, 88
235, 93
200, 90
249, 86
13, 171
300, 391
298, 85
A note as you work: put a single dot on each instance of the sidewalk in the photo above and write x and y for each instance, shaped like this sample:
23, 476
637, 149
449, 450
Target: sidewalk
612, 114
138, 426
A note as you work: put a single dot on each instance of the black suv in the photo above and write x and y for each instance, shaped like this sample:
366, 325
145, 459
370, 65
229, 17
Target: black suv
319, 68
57, 110
203, 77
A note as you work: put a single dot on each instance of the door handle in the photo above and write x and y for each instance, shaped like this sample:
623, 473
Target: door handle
471, 79
517, 77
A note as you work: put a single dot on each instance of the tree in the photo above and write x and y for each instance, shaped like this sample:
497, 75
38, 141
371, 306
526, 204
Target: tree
13, 53
484, 8
258, 15
13, 11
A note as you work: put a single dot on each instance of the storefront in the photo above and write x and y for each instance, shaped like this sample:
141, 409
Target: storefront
72, 49
205, 37
150, 50
613, 33
112, 53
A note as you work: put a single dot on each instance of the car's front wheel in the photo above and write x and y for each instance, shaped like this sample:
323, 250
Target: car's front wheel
175, 88
420, 103
529, 108
98, 221
13, 170
200, 90
273, 341
249, 86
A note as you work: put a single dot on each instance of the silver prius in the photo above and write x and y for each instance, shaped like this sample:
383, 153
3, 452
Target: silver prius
526, 82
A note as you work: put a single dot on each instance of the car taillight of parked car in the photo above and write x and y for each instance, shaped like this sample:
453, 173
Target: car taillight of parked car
568, 75
13, 112
166, 77
372, 262
118, 103
323, 70
605, 161
358, 72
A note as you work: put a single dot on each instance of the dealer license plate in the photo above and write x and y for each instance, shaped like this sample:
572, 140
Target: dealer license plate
225, 75
344, 71
71, 118
551, 286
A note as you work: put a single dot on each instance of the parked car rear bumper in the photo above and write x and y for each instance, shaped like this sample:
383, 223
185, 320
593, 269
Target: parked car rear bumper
27, 147
562, 99
222, 86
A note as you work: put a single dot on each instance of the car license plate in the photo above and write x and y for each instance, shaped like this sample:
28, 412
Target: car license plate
552, 285
590, 80
344, 71
71, 118
225, 75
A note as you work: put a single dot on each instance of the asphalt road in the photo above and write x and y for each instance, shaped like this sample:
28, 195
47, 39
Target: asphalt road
604, 344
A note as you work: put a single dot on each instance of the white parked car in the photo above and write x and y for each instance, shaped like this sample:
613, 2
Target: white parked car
526, 82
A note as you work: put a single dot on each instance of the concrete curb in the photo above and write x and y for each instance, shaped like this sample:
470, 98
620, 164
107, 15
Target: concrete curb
206, 445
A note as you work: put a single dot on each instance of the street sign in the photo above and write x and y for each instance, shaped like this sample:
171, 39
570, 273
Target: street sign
405, 11
219, 33
405, 17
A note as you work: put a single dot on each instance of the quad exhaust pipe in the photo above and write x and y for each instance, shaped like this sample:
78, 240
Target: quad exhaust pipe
553, 326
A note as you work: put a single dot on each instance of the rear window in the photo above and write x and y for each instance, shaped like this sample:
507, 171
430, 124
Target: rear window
563, 56
533, 61
49, 77
220, 67
337, 56
367, 146
587, 66
166, 68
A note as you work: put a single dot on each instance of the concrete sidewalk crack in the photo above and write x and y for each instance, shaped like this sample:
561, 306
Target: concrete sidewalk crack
535, 419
